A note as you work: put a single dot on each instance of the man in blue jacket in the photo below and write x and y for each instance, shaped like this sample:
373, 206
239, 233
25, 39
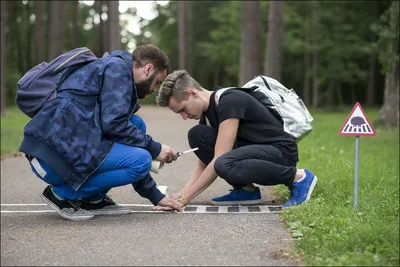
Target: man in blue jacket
84, 145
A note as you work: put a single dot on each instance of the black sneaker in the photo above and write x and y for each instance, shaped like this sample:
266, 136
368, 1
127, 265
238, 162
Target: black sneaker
105, 207
68, 209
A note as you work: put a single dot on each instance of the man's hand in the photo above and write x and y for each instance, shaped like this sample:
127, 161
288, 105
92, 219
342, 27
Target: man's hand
169, 203
167, 155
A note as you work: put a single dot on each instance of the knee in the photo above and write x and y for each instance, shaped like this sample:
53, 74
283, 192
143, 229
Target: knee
220, 166
197, 135
142, 166
138, 122
224, 166
194, 136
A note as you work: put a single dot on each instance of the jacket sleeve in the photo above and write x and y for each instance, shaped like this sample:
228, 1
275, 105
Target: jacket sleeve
147, 188
116, 97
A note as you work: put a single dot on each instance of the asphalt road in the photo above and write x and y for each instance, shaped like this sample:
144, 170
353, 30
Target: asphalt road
33, 237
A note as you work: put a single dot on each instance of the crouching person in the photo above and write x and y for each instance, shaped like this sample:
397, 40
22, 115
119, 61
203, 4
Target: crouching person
239, 139
84, 146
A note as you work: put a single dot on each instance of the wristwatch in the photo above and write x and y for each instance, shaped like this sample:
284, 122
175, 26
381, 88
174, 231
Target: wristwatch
182, 199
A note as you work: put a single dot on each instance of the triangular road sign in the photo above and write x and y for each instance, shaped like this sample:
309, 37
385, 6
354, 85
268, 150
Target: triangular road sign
357, 123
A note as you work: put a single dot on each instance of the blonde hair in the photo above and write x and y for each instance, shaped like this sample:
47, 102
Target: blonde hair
176, 85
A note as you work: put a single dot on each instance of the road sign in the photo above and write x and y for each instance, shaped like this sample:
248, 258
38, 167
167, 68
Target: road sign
357, 123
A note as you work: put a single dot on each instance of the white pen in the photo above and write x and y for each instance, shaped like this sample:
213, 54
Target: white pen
186, 151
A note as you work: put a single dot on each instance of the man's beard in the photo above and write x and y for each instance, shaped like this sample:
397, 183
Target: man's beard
143, 87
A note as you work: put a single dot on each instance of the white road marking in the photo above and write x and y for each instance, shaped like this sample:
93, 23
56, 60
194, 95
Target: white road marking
243, 209
264, 209
194, 208
201, 209
223, 209
10, 205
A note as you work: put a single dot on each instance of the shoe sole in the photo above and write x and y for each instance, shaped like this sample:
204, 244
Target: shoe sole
228, 203
313, 183
63, 214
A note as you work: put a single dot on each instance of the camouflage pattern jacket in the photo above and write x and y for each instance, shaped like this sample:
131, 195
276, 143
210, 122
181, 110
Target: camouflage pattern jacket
74, 133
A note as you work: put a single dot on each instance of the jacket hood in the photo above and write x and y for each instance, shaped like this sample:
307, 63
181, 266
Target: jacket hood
124, 55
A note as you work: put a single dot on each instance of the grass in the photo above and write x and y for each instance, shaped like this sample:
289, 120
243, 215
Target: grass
12, 130
327, 229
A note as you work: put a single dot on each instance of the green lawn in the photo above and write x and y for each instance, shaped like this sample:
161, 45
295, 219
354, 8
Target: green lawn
327, 229
12, 129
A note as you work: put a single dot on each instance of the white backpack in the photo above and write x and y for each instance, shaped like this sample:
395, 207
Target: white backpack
283, 103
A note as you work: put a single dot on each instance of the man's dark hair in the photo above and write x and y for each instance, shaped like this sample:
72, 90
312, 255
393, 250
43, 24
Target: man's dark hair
149, 53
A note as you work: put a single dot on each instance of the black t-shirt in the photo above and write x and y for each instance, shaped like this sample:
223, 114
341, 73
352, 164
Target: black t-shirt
257, 124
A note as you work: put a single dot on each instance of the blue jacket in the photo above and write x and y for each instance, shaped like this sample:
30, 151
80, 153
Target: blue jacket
74, 133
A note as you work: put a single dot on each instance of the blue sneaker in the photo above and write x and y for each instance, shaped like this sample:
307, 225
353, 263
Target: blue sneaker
239, 197
301, 191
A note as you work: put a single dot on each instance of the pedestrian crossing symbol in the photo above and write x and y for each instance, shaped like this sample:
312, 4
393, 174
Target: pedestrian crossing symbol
357, 123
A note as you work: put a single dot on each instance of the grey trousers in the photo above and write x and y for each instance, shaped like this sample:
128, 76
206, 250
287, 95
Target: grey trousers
259, 164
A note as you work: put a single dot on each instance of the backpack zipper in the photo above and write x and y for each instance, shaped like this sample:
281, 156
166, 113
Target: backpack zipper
80, 52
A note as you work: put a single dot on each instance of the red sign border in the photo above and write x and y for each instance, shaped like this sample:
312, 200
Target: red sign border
348, 118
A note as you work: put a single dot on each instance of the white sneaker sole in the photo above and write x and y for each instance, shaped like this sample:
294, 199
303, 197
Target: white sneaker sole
313, 183
65, 215
229, 203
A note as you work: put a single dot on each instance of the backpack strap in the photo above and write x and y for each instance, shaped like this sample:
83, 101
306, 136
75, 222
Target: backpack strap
219, 93
269, 88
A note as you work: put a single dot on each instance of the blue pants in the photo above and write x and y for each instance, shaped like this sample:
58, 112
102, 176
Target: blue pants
123, 165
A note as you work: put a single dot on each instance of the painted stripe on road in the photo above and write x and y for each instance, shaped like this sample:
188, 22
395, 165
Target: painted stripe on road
188, 209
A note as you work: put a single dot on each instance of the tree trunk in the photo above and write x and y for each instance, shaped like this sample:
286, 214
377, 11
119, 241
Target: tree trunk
314, 56
306, 79
389, 113
373, 61
189, 36
102, 33
75, 21
40, 32
3, 8
250, 50
29, 36
57, 28
272, 62
330, 94
307, 63
186, 35
315, 86
353, 94
114, 29
339, 95
371, 80
181, 34
16, 11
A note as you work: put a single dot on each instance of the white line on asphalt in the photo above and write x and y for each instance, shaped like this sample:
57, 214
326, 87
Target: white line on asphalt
264, 209
223, 209
143, 205
140, 211
193, 209
7, 205
132, 205
243, 209
45, 211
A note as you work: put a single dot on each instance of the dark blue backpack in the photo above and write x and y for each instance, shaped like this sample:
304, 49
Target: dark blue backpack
40, 83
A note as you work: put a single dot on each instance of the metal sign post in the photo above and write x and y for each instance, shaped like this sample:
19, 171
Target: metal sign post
356, 175
357, 124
